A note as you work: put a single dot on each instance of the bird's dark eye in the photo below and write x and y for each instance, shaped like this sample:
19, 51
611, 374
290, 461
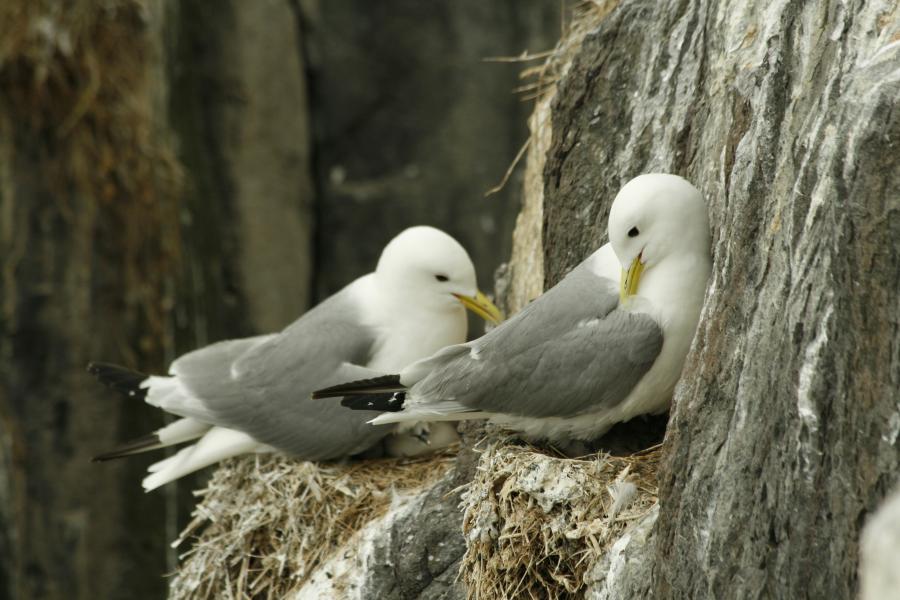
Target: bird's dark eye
633, 232
441, 277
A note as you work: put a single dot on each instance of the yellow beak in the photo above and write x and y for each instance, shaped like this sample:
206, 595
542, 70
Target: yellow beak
628, 284
481, 306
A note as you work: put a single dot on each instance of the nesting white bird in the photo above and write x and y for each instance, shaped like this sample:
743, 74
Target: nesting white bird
605, 344
253, 394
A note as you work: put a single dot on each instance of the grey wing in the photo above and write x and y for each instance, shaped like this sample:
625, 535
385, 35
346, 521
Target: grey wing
420, 369
202, 373
213, 363
317, 430
570, 351
265, 390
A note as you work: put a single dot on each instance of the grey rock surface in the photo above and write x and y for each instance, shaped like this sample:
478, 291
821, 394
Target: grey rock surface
784, 432
88, 230
99, 245
413, 551
419, 557
239, 111
626, 572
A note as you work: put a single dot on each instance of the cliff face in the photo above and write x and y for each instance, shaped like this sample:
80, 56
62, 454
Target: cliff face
88, 247
784, 430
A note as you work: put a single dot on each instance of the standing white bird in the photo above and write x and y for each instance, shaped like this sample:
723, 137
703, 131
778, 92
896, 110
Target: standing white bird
253, 394
604, 345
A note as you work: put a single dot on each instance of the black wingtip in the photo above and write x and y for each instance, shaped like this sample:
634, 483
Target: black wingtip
135, 446
121, 379
386, 384
378, 402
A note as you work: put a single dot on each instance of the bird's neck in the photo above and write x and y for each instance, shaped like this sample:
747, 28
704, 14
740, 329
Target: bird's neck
408, 330
673, 290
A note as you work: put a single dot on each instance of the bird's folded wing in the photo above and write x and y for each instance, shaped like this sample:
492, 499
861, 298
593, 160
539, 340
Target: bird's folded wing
264, 390
567, 353
312, 429
199, 375
421, 368
213, 364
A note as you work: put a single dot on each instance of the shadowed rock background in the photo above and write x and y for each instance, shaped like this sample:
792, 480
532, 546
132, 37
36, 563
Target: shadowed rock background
176, 173
155, 157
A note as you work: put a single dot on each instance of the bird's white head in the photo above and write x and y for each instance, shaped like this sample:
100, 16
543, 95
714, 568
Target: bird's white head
653, 218
425, 266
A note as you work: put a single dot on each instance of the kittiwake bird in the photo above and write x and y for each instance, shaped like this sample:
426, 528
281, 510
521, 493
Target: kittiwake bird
253, 394
605, 344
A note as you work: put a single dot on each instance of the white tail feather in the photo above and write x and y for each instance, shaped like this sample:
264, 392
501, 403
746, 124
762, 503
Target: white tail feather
182, 430
159, 388
217, 444
166, 462
172, 396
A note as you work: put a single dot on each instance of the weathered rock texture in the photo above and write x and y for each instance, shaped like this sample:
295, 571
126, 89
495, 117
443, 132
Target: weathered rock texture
103, 233
412, 126
785, 427
239, 111
88, 249
235, 101
415, 553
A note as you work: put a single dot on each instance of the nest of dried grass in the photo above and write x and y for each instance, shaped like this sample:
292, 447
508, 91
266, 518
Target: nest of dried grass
265, 523
536, 525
